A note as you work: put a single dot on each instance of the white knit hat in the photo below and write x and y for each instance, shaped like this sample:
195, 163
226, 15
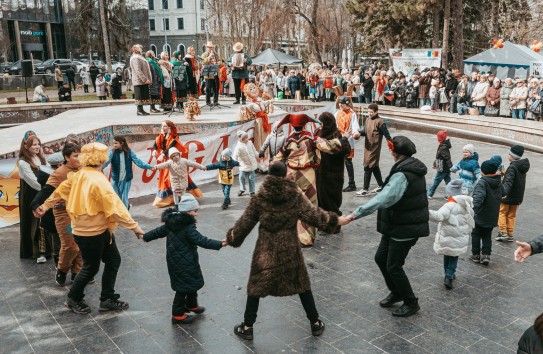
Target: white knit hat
188, 203
469, 147
172, 151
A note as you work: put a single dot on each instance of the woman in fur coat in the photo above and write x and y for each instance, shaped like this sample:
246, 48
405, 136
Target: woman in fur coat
278, 267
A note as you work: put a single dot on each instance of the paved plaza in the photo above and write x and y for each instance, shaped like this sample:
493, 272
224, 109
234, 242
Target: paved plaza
487, 312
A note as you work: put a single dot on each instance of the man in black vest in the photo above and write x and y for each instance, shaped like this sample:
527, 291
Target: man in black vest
402, 218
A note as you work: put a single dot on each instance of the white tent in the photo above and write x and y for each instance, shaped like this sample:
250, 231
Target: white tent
513, 60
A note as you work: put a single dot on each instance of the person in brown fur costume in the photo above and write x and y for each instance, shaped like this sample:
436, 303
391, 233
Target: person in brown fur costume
330, 175
278, 267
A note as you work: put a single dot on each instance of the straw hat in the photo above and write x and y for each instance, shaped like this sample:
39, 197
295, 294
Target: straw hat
238, 47
210, 44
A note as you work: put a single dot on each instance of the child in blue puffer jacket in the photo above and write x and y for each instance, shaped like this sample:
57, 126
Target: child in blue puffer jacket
226, 174
468, 168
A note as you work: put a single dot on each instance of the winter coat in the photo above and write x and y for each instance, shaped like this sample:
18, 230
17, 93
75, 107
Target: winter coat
468, 169
530, 342
486, 200
278, 267
154, 87
450, 86
101, 87
273, 142
85, 77
505, 109
537, 245
444, 154
58, 75
514, 182
226, 170
140, 70
293, 84
478, 96
368, 86
246, 155
455, 225
424, 86
182, 241
241, 73
519, 94
179, 172
493, 94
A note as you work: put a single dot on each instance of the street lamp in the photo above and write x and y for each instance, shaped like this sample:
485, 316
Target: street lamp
164, 25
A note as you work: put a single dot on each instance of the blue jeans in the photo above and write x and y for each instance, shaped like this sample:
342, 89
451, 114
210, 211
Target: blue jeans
481, 110
226, 193
449, 264
519, 113
424, 102
251, 175
368, 99
440, 176
360, 98
462, 108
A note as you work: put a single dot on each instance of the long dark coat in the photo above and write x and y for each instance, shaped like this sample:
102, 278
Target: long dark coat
278, 267
182, 249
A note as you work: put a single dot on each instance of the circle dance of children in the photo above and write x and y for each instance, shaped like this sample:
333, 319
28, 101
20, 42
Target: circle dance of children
301, 194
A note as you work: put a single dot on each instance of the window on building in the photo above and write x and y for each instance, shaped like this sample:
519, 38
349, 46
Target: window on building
166, 24
151, 4
151, 25
180, 23
165, 4
202, 4
203, 24
179, 4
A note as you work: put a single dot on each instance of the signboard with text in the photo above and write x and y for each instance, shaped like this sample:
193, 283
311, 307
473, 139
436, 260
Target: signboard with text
536, 69
408, 60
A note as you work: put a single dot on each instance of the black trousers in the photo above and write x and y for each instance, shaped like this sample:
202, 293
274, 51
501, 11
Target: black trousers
96, 249
72, 83
390, 257
182, 301
212, 86
237, 89
482, 235
376, 171
350, 170
93, 81
308, 302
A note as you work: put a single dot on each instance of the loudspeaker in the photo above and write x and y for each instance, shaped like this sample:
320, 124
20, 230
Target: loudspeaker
26, 68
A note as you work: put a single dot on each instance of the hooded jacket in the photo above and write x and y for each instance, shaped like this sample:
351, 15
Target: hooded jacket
444, 153
486, 200
455, 225
182, 249
278, 267
408, 218
468, 169
514, 182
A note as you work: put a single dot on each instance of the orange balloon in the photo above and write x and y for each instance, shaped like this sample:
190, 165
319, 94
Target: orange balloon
535, 41
537, 50
501, 45
494, 41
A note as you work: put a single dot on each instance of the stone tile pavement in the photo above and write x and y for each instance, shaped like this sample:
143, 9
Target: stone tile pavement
487, 312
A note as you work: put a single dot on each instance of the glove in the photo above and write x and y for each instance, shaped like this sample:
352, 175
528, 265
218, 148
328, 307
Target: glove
261, 154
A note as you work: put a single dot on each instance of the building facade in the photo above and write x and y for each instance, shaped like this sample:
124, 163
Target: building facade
46, 29
175, 25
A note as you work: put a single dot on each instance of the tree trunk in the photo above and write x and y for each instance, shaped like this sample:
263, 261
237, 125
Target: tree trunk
105, 35
315, 32
435, 31
494, 13
446, 22
458, 53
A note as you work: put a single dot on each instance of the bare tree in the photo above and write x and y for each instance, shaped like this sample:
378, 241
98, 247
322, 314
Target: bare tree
446, 23
103, 21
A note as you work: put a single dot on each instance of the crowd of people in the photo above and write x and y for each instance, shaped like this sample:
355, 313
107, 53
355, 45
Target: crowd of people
70, 210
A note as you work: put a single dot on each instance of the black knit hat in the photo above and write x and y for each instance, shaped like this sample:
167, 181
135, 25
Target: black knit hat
516, 151
278, 169
403, 146
489, 167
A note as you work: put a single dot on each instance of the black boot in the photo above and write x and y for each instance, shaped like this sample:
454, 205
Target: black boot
141, 112
406, 310
350, 188
390, 300
448, 283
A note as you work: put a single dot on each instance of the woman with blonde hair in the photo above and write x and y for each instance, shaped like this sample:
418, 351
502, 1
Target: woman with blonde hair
31, 158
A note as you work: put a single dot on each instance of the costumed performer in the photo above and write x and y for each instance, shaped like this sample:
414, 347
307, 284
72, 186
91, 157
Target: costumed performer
192, 72
211, 58
180, 79
347, 124
239, 62
141, 79
166, 94
156, 82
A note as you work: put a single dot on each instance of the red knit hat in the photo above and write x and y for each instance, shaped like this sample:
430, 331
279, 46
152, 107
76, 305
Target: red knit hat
441, 136
297, 120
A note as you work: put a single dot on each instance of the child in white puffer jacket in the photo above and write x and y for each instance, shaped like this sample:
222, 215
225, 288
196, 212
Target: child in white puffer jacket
455, 224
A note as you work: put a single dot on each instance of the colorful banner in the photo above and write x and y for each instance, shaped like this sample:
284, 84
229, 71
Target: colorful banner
536, 69
408, 60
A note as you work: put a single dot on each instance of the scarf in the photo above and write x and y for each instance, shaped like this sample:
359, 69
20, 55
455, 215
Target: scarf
154, 64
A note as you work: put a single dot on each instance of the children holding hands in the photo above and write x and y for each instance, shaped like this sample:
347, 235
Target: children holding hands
226, 174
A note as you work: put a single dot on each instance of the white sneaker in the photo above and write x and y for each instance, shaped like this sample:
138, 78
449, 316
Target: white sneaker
42, 259
430, 197
362, 193
377, 190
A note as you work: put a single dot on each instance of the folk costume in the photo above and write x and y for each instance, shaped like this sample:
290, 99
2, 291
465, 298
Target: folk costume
330, 174
375, 129
163, 143
141, 77
180, 80
156, 82
302, 159
347, 120
239, 62
210, 60
192, 70
166, 89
